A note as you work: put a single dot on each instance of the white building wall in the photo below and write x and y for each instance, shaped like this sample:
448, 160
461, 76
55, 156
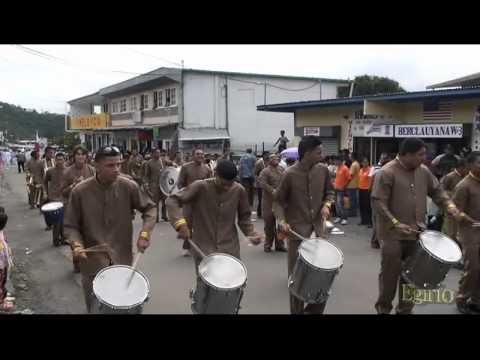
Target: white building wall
204, 97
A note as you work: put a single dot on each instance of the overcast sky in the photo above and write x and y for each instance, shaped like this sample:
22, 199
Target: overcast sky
48, 76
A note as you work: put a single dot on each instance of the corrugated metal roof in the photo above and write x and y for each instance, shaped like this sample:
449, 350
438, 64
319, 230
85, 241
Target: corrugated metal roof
397, 97
469, 80
202, 134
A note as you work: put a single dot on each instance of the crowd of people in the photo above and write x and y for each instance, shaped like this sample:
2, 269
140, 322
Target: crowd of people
101, 195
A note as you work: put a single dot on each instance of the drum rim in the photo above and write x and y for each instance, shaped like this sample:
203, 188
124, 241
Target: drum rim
52, 202
319, 268
219, 288
435, 256
176, 185
121, 307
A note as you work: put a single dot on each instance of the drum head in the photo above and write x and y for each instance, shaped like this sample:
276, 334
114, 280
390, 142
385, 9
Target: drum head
321, 254
110, 287
223, 271
53, 206
168, 180
440, 246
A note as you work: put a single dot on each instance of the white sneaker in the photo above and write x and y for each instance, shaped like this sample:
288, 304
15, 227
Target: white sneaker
336, 221
186, 253
344, 222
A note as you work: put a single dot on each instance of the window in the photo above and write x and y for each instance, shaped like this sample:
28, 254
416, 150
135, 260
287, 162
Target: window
145, 101
170, 97
114, 107
167, 97
105, 108
133, 103
160, 98
123, 105
173, 99
155, 99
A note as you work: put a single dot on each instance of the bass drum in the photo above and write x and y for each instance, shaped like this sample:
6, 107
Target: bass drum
168, 180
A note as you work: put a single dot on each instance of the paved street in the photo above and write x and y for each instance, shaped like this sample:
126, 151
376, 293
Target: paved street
53, 288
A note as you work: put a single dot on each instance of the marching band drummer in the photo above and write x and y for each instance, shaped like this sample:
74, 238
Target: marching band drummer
269, 180
302, 203
467, 198
100, 212
35, 172
190, 172
74, 174
48, 163
152, 169
215, 203
53, 184
399, 197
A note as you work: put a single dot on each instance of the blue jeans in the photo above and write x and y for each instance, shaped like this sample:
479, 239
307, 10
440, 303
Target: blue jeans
353, 197
340, 206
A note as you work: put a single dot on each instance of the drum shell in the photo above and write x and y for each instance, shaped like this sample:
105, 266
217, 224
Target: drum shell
424, 271
310, 284
53, 217
208, 299
98, 308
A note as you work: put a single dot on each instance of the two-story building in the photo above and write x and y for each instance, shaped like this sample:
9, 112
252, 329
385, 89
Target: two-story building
177, 109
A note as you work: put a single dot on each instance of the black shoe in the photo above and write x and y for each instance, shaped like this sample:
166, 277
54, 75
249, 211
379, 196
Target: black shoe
369, 226
165, 219
280, 249
474, 308
463, 308
267, 250
375, 245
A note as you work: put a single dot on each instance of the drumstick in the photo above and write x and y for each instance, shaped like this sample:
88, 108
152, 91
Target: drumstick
197, 249
298, 235
134, 266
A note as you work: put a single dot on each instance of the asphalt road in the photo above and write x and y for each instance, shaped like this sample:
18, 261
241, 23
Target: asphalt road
53, 287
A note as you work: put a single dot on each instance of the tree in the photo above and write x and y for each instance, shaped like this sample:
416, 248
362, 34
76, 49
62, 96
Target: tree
371, 85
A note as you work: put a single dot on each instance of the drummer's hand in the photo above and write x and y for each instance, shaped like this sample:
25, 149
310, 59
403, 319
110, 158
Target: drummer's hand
325, 212
142, 243
183, 232
284, 228
256, 238
78, 253
454, 212
404, 229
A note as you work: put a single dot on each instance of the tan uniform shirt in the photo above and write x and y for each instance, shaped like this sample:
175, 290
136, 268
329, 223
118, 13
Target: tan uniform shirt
467, 199
72, 174
269, 180
36, 168
451, 180
214, 215
135, 170
152, 178
402, 194
259, 166
54, 180
355, 172
191, 172
301, 195
48, 163
124, 166
100, 214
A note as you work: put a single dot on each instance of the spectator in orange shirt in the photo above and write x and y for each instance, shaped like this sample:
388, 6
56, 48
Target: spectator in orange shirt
364, 193
342, 178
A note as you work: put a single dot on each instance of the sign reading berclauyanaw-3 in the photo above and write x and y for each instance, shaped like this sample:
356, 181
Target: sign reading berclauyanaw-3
429, 131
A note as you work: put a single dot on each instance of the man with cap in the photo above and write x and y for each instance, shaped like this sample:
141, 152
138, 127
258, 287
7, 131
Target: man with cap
218, 205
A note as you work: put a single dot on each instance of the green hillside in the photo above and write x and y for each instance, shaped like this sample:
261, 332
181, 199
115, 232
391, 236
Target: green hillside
22, 123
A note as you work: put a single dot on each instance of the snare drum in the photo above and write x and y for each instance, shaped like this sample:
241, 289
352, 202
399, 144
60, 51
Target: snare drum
221, 282
318, 262
113, 295
435, 255
53, 212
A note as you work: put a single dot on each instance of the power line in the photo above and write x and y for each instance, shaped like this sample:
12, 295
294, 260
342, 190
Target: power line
153, 56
